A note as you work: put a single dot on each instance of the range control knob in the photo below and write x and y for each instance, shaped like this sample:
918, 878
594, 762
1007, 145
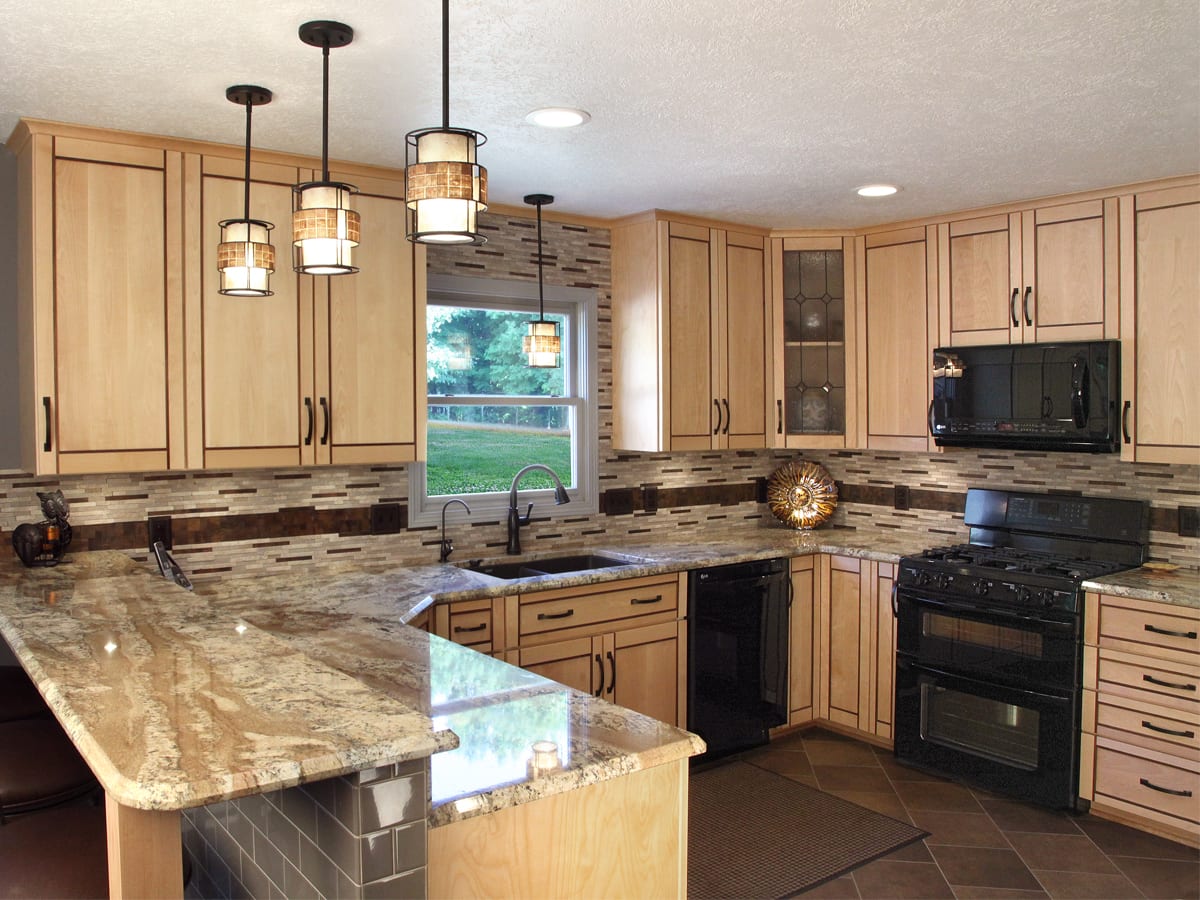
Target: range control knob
981, 587
1024, 595
1046, 597
944, 580
922, 579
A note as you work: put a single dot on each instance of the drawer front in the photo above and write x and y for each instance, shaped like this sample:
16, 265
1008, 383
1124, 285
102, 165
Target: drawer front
598, 607
1153, 681
1154, 629
1150, 729
471, 628
1147, 783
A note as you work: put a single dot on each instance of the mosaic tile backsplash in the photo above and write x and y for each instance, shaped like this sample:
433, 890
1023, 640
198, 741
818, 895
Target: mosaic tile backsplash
270, 520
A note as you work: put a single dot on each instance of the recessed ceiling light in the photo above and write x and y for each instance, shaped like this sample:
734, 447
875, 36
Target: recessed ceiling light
557, 117
877, 190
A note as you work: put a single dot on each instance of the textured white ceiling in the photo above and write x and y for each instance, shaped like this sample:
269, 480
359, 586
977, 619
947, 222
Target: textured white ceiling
767, 113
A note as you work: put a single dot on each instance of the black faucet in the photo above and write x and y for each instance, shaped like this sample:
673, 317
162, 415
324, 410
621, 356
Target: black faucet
515, 519
448, 545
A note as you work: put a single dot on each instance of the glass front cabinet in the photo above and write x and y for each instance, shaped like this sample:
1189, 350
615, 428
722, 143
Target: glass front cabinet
815, 384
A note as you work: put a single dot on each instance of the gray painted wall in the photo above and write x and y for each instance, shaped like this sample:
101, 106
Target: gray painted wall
9, 450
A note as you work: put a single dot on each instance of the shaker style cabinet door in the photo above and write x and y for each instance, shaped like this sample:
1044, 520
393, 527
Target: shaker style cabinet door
979, 291
693, 398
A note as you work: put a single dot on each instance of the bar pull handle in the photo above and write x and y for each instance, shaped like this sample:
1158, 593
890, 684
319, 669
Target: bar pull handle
643, 601
600, 680
1170, 731
1145, 782
1190, 635
779, 427
46, 408
895, 601
562, 615
717, 404
1025, 305
308, 407
1012, 307
1125, 421
728, 417
467, 629
612, 661
328, 422
1168, 684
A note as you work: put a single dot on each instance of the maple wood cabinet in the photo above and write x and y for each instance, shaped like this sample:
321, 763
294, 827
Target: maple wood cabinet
856, 645
1160, 325
802, 658
691, 337
1045, 274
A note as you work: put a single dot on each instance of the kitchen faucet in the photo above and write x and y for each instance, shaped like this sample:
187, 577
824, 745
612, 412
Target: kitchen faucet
515, 519
448, 545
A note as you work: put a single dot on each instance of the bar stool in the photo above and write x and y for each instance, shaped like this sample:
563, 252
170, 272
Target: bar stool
19, 699
59, 852
39, 767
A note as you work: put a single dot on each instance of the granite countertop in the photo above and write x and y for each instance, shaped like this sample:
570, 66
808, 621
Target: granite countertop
1178, 586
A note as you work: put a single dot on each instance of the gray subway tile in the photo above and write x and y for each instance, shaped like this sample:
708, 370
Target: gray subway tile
338, 843
346, 797
392, 802
411, 848
318, 868
239, 827
366, 776
284, 834
301, 809
408, 886
297, 887
254, 879
268, 857
376, 853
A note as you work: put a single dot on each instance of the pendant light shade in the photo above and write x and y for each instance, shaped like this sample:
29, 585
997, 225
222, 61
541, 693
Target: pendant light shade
245, 257
541, 345
444, 186
325, 228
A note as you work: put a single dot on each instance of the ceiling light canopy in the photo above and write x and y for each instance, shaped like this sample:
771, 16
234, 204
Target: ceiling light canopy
558, 117
245, 257
325, 229
542, 344
445, 188
877, 190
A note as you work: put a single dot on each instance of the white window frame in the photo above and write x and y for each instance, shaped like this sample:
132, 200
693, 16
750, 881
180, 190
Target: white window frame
579, 363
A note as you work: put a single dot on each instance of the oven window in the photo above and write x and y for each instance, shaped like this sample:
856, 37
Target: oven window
1002, 732
981, 634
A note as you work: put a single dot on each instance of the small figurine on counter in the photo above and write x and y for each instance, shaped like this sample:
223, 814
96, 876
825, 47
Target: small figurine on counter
44, 543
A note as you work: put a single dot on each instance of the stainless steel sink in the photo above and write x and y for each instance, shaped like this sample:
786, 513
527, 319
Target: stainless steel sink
553, 565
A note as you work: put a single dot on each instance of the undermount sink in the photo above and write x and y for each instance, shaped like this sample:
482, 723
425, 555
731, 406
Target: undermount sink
553, 565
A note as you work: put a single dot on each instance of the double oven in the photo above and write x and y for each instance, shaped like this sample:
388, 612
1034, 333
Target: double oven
989, 640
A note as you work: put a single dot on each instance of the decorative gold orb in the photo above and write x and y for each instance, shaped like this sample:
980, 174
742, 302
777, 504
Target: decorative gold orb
801, 494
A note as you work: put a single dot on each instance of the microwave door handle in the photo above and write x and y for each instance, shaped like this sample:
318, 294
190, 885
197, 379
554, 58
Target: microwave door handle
1079, 392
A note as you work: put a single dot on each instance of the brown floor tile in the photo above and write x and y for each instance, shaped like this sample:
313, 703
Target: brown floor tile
984, 867
1085, 885
838, 889
914, 852
1061, 852
974, 892
790, 742
1121, 840
898, 772
885, 802
885, 878
781, 762
1009, 815
852, 778
825, 752
1162, 877
936, 795
959, 828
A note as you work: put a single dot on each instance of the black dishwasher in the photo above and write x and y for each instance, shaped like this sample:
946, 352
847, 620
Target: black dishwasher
737, 654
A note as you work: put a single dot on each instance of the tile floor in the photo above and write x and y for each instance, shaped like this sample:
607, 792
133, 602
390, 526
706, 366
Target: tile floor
980, 845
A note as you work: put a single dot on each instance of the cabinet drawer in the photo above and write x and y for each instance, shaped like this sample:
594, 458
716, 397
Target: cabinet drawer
1150, 728
1157, 630
1149, 784
472, 627
631, 601
1149, 680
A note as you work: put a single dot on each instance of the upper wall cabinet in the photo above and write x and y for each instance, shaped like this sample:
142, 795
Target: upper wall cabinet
814, 326
100, 305
1046, 274
1160, 327
691, 337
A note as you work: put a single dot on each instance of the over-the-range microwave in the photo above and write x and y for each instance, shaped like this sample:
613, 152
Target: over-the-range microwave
1054, 396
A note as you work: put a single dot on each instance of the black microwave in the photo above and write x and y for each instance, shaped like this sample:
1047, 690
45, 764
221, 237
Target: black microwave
1055, 396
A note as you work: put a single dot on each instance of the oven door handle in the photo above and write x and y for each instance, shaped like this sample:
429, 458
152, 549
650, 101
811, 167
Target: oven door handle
951, 676
895, 602
989, 611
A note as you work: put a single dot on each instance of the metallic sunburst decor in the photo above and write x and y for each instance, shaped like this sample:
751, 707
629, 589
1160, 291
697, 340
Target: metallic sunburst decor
801, 494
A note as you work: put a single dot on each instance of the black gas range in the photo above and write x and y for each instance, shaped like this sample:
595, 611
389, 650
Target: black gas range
989, 639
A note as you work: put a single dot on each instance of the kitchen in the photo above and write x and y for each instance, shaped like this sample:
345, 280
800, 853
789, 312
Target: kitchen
310, 515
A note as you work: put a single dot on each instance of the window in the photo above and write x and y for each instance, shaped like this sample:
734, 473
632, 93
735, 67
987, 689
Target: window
489, 414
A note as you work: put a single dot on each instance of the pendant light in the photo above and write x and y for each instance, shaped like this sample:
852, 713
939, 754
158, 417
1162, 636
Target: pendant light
325, 230
542, 344
245, 257
444, 185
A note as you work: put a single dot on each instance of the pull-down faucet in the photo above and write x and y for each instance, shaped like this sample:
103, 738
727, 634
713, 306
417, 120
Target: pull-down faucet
448, 545
515, 519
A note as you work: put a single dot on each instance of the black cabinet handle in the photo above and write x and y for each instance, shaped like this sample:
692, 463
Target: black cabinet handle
1191, 635
1012, 307
645, 600
1145, 782
727, 416
467, 629
311, 421
562, 615
328, 422
779, 427
717, 404
1079, 392
1025, 305
600, 680
1168, 684
1170, 731
612, 661
1125, 420
46, 407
